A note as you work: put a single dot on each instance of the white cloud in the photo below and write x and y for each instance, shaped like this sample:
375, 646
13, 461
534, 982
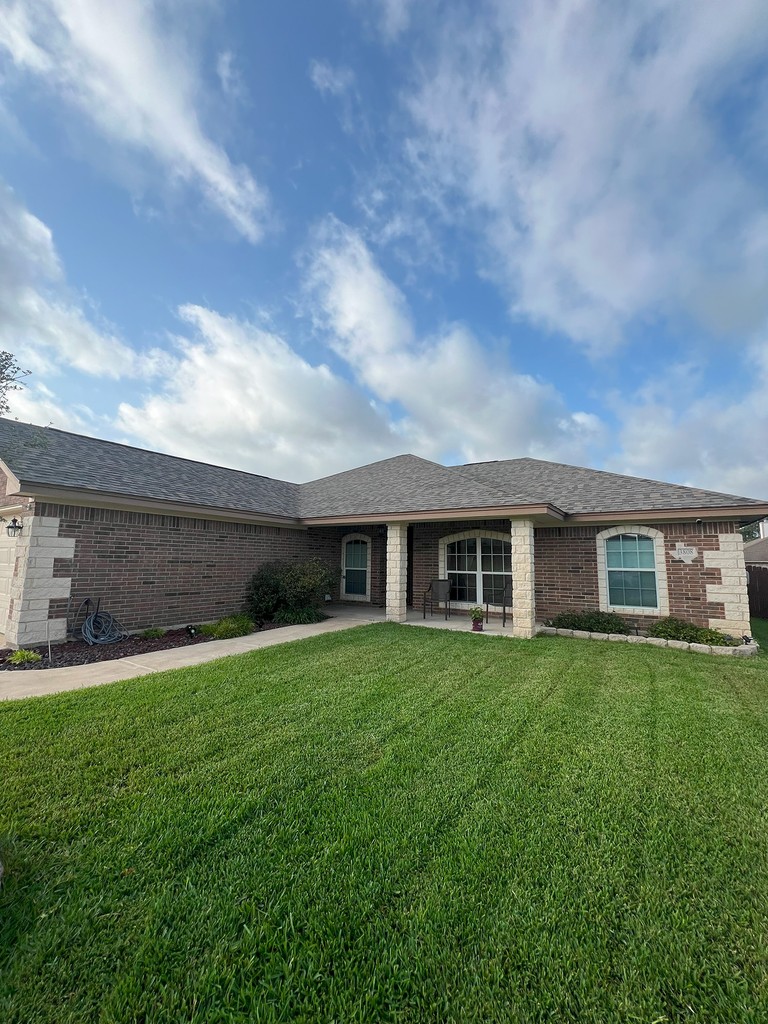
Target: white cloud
327, 79
674, 429
455, 396
41, 321
395, 17
589, 145
240, 396
133, 77
229, 75
36, 403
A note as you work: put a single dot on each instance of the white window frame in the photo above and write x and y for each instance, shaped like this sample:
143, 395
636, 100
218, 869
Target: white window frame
368, 540
660, 558
469, 535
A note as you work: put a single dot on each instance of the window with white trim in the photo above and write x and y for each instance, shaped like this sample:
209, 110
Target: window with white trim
478, 567
632, 566
630, 563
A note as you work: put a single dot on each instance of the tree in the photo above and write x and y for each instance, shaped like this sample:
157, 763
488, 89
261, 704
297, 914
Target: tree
751, 532
10, 378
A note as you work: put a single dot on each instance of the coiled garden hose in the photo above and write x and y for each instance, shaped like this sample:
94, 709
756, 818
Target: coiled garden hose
102, 628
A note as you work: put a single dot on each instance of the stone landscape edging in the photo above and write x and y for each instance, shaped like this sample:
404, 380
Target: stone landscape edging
743, 651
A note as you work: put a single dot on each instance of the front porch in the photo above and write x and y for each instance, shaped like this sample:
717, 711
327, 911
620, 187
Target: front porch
517, 564
458, 622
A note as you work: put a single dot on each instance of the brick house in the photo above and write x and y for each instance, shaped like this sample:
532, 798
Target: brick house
164, 541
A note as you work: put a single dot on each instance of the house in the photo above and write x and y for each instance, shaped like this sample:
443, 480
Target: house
164, 541
756, 552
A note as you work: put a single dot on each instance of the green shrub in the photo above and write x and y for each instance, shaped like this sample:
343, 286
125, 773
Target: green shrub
23, 657
228, 628
298, 616
678, 629
152, 634
289, 591
265, 594
591, 622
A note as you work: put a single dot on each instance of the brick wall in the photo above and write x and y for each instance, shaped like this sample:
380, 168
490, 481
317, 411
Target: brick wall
153, 570
566, 566
566, 571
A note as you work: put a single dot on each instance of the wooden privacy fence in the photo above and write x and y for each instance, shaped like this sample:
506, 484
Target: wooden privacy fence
758, 591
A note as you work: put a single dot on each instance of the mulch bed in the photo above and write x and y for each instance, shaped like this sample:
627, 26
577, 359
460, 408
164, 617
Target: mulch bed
78, 652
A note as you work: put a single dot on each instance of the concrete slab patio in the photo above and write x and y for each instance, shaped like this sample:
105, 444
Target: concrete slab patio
17, 685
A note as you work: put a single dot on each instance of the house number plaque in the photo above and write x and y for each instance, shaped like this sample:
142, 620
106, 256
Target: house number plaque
685, 553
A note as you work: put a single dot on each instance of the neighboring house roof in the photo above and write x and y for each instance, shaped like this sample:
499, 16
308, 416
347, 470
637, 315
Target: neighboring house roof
47, 461
756, 551
44, 456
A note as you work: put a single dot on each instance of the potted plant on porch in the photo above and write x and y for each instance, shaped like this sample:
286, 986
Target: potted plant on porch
476, 614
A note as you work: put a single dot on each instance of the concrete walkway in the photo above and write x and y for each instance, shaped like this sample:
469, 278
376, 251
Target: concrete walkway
14, 685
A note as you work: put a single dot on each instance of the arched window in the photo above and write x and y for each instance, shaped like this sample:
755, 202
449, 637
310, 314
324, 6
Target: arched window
478, 564
632, 571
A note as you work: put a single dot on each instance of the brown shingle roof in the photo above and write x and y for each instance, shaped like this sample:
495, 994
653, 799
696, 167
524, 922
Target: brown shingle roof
756, 551
45, 457
575, 489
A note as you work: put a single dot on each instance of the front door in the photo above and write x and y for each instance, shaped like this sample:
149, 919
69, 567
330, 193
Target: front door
356, 568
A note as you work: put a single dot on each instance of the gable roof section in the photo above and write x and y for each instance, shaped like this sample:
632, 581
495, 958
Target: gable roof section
580, 491
43, 457
405, 483
756, 550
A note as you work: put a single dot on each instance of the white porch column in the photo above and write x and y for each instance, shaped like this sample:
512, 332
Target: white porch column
523, 595
397, 571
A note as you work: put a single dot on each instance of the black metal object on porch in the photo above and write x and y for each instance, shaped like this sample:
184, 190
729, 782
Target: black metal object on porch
438, 592
506, 601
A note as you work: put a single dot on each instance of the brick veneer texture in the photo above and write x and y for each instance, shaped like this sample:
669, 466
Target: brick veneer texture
155, 570
163, 570
566, 566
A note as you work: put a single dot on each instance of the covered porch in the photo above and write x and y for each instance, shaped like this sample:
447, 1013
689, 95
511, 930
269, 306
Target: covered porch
458, 622
392, 564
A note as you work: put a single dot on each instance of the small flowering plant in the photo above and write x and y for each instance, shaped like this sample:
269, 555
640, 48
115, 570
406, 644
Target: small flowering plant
476, 614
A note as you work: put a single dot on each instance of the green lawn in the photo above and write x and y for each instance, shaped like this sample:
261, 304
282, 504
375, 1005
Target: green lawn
392, 824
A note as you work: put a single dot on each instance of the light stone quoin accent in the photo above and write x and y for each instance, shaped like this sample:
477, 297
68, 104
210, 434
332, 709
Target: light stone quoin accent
397, 571
34, 584
523, 593
731, 592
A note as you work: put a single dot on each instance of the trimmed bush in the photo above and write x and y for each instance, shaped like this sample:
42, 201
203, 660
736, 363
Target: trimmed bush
23, 657
228, 628
678, 629
265, 592
289, 592
590, 622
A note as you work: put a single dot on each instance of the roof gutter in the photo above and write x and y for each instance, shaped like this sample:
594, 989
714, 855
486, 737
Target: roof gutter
152, 506
440, 515
750, 513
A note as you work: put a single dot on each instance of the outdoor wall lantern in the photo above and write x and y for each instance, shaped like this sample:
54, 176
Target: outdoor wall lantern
14, 528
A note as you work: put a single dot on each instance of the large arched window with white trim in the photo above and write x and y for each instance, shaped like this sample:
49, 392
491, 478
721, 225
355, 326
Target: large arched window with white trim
632, 572
479, 566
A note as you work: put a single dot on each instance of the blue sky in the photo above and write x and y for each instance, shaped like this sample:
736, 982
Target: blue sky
296, 237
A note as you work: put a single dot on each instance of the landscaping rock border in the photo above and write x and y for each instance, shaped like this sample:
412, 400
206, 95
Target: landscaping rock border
743, 651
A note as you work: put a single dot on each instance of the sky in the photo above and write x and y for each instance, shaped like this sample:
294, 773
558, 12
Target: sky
293, 237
